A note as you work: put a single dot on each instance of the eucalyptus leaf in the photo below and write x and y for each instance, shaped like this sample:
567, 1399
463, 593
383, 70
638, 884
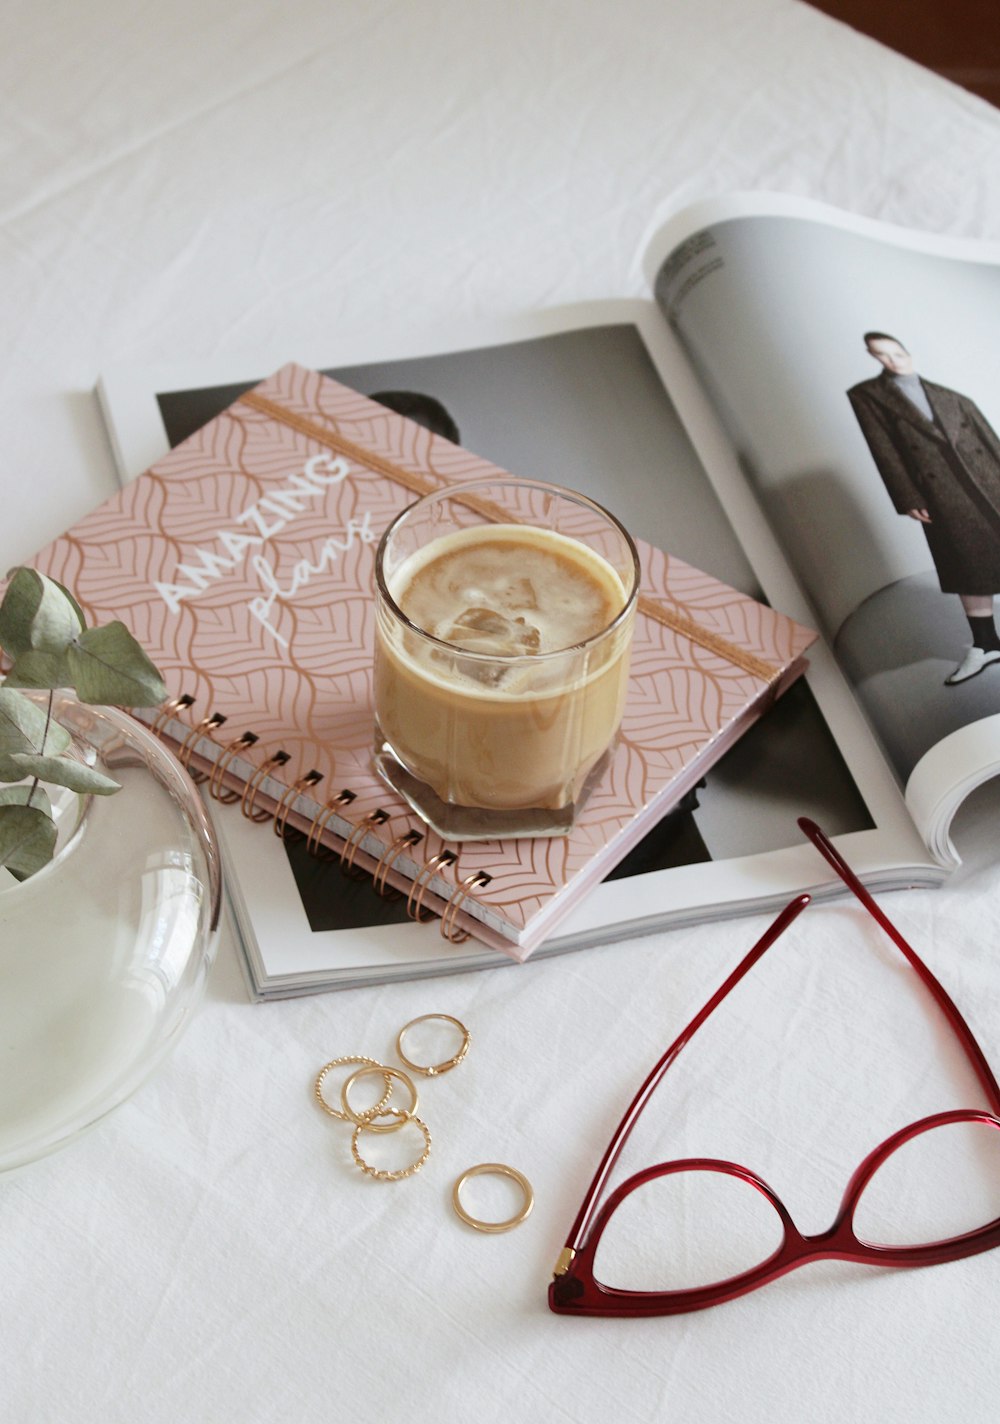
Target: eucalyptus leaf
108, 665
37, 613
40, 670
73, 603
19, 795
27, 840
22, 723
17, 610
63, 772
23, 729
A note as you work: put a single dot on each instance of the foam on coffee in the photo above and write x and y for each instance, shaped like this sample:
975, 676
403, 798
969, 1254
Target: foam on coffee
509, 590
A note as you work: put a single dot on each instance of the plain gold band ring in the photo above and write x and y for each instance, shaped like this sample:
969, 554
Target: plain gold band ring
496, 1169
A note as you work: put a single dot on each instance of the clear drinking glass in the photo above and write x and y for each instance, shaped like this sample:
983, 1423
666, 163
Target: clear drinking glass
504, 615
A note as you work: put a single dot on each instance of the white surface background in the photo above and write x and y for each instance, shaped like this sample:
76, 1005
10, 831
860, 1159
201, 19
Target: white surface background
193, 180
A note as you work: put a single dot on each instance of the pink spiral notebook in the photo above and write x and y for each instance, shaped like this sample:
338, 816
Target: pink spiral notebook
243, 562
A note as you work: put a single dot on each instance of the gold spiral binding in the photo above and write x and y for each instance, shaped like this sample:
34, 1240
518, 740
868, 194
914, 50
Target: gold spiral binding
216, 787
415, 899
314, 843
386, 861
176, 704
378, 817
304, 783
205, 728
254, 784
451, 933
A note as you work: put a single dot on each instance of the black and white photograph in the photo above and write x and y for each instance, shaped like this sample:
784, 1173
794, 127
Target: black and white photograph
856, 377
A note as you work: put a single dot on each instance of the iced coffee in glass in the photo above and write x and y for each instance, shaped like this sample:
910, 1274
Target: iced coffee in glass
504, 614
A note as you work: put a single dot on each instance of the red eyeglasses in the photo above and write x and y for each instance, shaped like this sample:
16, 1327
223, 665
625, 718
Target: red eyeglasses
575, 1289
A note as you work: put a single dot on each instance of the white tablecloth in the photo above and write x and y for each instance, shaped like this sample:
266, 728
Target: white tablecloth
200, 180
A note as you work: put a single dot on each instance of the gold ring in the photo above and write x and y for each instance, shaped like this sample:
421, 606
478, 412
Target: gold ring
304, 783
205, 727
378, 817
176, 704
367, 1113
216, 787
322, 818
404, 1118
254, 784
340, 1062
437, 1068
449, 929
415, 899
497, 1169
387, 860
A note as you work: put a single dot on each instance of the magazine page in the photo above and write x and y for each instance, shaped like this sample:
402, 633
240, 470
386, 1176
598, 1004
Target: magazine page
853, 368
585, 404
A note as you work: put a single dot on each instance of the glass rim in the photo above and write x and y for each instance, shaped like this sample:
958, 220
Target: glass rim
511, 659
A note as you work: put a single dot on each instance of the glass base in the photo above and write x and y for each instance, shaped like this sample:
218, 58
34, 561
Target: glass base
478, 823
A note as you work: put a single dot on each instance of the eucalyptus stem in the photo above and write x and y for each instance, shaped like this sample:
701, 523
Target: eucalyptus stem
45, 738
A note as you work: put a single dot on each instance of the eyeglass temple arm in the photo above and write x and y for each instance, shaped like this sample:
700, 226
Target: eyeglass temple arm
791, 911
940, 994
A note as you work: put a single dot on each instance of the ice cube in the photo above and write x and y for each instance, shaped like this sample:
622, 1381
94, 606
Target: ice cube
485, 630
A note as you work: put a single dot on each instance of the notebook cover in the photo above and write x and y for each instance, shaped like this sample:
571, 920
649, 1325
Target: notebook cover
243, 562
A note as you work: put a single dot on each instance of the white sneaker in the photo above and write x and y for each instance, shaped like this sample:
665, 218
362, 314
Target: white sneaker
974, 661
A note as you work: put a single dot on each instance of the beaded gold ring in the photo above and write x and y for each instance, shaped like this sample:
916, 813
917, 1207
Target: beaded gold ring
364, 1117
435, 1069
367, 1125
370, 1064
497, 1169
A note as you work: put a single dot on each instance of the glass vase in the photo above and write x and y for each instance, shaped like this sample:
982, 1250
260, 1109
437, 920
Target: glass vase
104, 952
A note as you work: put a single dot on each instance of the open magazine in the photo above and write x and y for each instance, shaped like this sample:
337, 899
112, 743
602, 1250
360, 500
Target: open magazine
715, 421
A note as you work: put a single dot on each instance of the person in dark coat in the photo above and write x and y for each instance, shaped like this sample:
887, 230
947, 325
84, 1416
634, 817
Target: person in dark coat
940, 461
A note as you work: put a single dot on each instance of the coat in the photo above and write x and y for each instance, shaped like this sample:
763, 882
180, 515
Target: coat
949, 466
